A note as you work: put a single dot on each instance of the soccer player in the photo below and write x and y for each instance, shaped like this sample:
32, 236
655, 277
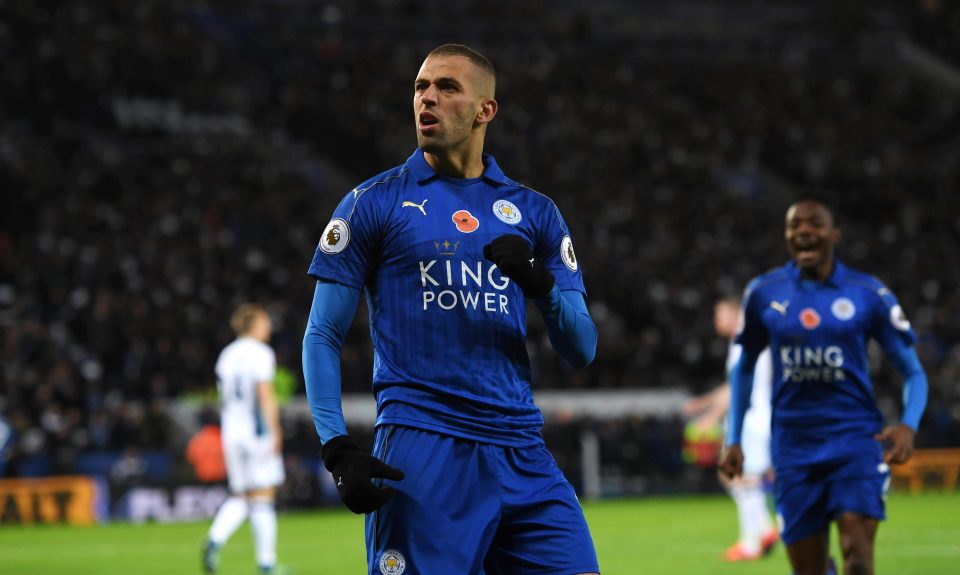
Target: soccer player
448, 251
829, 446
758, 534
252, 439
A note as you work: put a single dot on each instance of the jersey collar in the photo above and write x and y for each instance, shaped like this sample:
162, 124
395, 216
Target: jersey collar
836, 278
421, 170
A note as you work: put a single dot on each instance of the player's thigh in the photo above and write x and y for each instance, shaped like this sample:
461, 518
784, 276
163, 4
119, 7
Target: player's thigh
237, 457
810, 555
252, 465
859, 485
857, 536
542, 529
802, 502
444, 514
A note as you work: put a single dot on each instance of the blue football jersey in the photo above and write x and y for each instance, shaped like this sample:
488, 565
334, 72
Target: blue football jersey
448, 330
823, 400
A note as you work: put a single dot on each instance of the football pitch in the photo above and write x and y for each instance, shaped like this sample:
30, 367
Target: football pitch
681, 535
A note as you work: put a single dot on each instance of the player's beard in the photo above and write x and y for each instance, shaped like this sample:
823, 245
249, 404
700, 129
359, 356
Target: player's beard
452, 134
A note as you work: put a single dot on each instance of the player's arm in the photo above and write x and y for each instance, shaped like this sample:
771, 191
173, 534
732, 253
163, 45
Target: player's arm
699, 403
741, 386
267, 400
569, 326
752, 339
892, 329
331, 314
898, 439
715, 407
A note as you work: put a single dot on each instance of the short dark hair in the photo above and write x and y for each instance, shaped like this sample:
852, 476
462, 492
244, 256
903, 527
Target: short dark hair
821, 199
467, 52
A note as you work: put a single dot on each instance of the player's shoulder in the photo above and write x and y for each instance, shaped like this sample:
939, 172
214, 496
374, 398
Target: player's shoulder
531, 199
383, 183
871, 288
247, 346
526, 192
769, 280
861, 279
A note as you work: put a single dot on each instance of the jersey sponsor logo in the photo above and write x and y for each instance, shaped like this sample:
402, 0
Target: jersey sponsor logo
817, 363
409, 204
899, 319
336, 237
465, 221
843, 309
392, 562
780, 307
506, 212
567, 255
809, 318
450, 284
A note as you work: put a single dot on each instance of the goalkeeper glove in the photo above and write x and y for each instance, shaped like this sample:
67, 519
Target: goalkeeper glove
513, 256
352, 469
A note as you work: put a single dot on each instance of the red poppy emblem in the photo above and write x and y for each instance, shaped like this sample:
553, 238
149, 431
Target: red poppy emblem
465, 221
809, 318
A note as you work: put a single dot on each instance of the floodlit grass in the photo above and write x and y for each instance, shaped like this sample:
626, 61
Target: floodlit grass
682, 535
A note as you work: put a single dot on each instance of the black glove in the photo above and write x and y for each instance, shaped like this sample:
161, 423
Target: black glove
515, 259
352, 469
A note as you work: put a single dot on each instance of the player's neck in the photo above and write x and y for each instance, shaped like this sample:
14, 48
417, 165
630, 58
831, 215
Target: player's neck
466, 163
821, 273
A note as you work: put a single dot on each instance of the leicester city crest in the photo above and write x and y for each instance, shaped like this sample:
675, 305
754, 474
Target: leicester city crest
506, 212
843, 309
392, 562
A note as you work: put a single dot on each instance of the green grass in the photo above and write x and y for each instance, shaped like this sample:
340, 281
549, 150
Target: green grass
683, 535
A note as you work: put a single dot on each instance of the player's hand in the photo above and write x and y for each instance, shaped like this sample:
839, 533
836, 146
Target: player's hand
352, 469
731, 461
897, 443
513, 256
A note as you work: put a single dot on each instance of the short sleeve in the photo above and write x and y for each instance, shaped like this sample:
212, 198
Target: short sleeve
555, 249
345, 252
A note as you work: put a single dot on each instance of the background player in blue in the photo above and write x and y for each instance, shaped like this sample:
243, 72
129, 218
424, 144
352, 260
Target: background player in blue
447, 251
829, 446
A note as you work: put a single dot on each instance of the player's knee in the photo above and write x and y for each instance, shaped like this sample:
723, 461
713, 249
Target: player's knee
857, 566
857, 556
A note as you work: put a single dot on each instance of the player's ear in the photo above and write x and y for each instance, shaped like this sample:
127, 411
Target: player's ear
835, 235
488, 109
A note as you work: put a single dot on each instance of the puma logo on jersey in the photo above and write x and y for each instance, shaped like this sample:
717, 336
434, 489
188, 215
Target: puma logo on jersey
340, 481
409, 204
531, 261
780, 307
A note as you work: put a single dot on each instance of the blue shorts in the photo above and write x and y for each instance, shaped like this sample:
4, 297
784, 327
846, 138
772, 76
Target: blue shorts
810, 497
476, 509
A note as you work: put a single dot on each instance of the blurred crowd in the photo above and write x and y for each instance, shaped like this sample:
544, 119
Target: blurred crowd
163, 161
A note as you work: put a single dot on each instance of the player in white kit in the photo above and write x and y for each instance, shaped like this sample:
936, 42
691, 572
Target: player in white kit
252, 440
758, 533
